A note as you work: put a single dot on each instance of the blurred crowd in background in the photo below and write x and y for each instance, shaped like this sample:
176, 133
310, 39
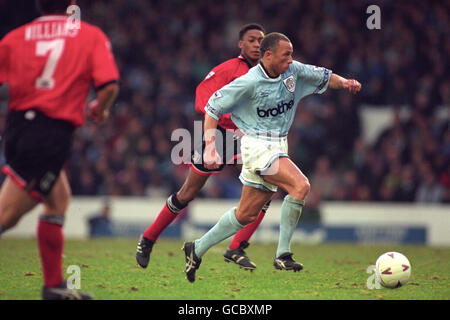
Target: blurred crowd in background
165, 48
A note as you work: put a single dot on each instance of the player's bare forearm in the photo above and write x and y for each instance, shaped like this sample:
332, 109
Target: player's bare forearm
107, 95
338, 82
209, 128
210, 157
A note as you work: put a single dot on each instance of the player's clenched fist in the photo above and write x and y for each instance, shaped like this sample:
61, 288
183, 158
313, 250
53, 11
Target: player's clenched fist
352, 86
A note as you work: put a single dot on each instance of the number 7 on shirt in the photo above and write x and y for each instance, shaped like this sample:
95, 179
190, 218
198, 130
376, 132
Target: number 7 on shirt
56, 47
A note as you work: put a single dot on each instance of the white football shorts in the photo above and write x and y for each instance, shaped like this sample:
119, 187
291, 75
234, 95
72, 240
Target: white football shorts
258, 154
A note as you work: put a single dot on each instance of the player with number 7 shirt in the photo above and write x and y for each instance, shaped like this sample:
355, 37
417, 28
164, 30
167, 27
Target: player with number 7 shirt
50, 65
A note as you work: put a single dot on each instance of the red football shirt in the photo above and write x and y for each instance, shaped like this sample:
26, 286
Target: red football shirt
50, 66
219, 76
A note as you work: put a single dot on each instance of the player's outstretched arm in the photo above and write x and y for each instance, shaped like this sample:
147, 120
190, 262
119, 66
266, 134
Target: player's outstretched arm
98, 109
338, 82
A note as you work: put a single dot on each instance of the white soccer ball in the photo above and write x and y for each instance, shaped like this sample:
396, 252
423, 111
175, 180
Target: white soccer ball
392, 270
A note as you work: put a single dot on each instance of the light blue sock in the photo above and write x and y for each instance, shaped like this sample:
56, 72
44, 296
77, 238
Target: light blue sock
291, 210
224, 228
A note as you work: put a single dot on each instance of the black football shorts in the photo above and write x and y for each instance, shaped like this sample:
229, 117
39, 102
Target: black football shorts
36, 148
229, 152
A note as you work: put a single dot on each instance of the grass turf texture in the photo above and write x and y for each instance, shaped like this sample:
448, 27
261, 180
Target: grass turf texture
338, 271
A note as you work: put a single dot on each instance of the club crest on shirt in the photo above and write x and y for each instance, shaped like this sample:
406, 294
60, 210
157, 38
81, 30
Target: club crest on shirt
290, 84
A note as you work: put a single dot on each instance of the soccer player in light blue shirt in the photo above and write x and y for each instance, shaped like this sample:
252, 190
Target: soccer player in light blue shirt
262, 104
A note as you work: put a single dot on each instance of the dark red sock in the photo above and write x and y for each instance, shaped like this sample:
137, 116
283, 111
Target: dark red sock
51, 242
162, 221
246, 233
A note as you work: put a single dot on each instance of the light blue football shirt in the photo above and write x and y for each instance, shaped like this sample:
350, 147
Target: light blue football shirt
261, 105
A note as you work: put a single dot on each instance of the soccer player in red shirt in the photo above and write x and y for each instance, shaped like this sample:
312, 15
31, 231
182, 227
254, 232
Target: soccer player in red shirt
50, 64
250, 37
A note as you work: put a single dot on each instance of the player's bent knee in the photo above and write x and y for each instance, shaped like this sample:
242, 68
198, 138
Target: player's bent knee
64, 205
301, 189
59, 205
56, 209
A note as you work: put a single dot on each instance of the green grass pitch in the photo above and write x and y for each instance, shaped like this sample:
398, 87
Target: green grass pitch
332, 271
